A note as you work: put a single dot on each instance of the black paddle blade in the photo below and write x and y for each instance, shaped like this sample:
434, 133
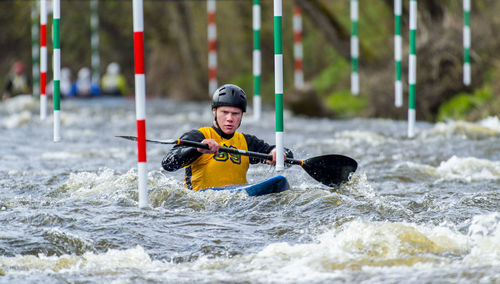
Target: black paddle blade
330, 170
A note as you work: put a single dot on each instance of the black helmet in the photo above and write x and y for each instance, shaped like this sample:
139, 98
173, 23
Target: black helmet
230, 95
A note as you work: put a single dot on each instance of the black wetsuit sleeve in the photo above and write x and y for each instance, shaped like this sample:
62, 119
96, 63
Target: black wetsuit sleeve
257, 145
181, 156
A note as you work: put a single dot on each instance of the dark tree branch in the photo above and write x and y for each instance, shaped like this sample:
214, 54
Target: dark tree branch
331, 27
328, 25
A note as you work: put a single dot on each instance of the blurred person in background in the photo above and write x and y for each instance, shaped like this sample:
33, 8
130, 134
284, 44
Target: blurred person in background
17, 82
83, 87
65, 82
113, 83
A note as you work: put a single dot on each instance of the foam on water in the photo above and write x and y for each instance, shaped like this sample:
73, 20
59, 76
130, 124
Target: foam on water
348, 138
484, 239
469, 169
19, 103
106, 183
17, 119
163, 191
491, 122
61, 155
357, 245
483, 129
108, 263
466, 169
17, 111
87, 153
368, 137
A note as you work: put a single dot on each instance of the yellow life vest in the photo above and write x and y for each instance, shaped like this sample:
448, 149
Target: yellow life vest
218, 170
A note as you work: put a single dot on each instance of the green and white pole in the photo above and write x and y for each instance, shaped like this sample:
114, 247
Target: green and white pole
56, 4
354, 48
412, 72
257, 100
35, 51
94, 41
43, 59
398, 53
467, 71
278, 83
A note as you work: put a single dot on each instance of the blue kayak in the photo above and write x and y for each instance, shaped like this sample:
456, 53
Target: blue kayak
273, 185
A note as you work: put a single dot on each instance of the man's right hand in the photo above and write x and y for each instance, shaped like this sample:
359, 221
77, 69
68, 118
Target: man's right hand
213, 147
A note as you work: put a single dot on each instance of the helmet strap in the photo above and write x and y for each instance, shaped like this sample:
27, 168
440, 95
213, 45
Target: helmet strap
215, 118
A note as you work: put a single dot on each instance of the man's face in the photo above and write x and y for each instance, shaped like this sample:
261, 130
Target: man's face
229, 118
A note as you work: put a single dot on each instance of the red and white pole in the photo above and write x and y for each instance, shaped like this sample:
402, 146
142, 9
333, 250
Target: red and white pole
140, 100
212, 47
297, 48
43, 59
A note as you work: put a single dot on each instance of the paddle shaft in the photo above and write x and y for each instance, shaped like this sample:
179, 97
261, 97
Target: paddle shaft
195, 144
235, 151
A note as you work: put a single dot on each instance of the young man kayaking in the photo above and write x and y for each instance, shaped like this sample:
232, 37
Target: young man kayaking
206, 168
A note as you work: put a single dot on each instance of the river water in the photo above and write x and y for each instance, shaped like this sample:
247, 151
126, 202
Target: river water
417, 210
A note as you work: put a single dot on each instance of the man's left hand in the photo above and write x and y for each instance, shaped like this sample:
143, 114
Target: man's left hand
273, 153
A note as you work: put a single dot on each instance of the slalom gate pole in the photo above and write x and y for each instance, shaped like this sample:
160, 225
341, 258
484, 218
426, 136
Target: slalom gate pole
412, 72
43, 59
140, 100
467, 39
35, 51
398, 53
354, 48
297, 48
257, 100
212, 48
57, 68
94, 41
278, 83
